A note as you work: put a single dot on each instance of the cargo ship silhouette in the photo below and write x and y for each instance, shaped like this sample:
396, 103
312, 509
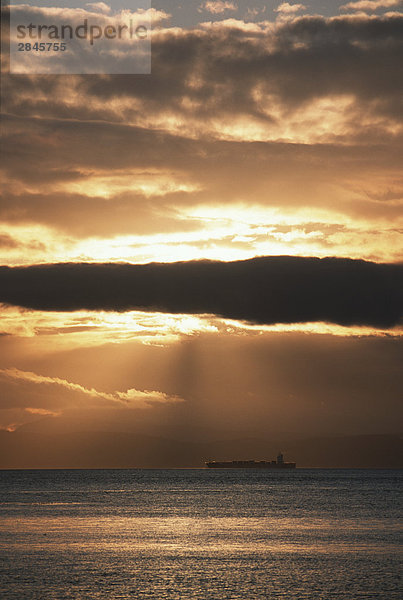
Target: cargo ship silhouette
252, 464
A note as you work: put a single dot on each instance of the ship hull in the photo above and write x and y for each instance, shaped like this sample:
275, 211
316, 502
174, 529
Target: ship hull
249, 465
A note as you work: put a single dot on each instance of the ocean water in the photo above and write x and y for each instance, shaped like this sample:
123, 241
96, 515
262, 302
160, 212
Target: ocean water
200, 534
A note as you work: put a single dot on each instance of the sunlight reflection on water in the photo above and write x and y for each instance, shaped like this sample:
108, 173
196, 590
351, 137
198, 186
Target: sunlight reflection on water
197, 534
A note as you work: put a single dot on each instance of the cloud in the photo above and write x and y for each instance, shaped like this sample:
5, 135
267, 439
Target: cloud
251, 13
206, 82
99, 6
263, 290
288, 9
132, 398
274, 175
108, 43
306, 113
6, 241
44, 412
370, 5
218, 7
10, 243
287, 381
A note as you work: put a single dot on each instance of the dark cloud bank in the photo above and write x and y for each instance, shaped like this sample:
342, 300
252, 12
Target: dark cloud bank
262, 290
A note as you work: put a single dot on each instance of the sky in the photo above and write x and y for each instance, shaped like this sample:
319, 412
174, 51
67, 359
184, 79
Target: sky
213, 249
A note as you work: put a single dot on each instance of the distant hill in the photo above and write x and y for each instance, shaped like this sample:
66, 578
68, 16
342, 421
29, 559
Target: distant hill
28, 450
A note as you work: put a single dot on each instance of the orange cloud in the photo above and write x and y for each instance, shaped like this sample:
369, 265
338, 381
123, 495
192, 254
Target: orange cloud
43, 412
370, 5
289, 9
132, 398
218, 7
